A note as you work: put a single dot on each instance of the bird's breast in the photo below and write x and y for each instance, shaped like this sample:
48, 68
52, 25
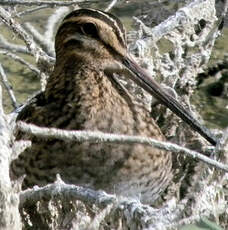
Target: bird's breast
94, 104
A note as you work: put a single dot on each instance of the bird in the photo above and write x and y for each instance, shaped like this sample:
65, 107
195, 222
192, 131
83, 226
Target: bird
83, 94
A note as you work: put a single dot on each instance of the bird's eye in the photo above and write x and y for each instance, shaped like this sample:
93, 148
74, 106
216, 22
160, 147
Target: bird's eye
89, 29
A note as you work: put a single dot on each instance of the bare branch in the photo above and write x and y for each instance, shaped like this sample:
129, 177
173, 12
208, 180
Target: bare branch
39, 3
22, 61
41, 40
30, 10
8, 87
9, 214
46, 40
4, 44
60, 190
136, 213
22, 34
27, 11
182, 17
111, 5
99, 137
52, 21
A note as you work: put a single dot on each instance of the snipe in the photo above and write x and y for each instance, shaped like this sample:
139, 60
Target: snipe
81, 94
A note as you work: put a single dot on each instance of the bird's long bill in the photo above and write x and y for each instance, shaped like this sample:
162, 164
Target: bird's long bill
144, 80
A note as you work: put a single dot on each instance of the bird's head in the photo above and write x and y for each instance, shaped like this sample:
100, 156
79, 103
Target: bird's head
92, 36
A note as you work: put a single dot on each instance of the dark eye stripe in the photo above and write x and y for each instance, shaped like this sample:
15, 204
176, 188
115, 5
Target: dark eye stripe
67, 26
110, 19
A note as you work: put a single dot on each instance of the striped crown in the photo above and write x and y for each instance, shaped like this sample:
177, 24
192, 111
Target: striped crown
92, 25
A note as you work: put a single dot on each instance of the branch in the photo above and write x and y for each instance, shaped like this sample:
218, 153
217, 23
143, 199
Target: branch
22, 34
111, 5
9, 214
46, 40
22, 61
99, 137
4, 44
29, 11
131, 210
60, 190
8, 87
41, 40
182, 17
52, 21
39, 3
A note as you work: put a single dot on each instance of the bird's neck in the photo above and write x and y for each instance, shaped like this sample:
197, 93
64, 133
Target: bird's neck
74, 81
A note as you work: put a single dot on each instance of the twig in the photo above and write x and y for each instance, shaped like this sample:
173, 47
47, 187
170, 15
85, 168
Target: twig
22, 34
225, 8
182, 17
39, 3
185, 221
110, 6
8, 87
60, 190
4, 44
41, 40
222, 147
21, 60
52, 21
99, 137
27, 11
45, 41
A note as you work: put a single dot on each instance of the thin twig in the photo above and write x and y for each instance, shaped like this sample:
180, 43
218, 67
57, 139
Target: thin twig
4, 44
185, 221
27, 11
22, 61
110, 6
99, 137
39, 3
53, 20
41, 40
45, 40
5, 16
8, 87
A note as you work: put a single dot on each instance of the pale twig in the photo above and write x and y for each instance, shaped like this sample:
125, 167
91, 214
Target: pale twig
46, 40
185, 221
181, 18
27, 11
60, 190
4, 44
225, 8
222, 147
21, 60
99, 137
110, 6
5, 16
41, 40
53, 20
39, 3
8, 87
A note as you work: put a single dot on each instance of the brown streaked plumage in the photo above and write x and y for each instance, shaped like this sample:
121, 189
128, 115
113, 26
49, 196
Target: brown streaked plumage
81, 94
